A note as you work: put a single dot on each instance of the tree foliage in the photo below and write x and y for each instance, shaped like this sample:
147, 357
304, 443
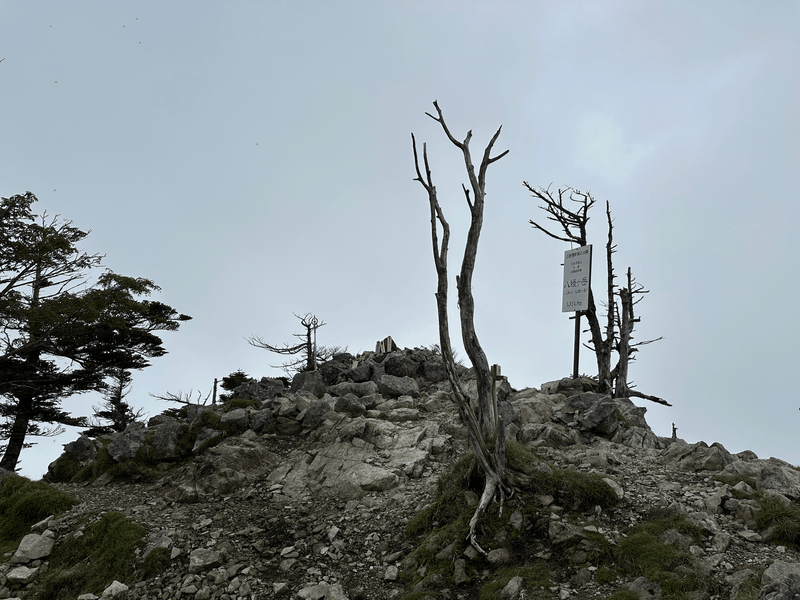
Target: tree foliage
59, 334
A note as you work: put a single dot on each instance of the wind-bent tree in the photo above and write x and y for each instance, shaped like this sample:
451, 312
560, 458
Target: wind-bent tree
572, 223
58, 335
311, 354
484, 424
114, 414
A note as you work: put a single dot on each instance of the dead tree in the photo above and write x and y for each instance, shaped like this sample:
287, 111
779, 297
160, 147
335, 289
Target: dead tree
626, 321
486, 426
308, 349
619, 321
573, 230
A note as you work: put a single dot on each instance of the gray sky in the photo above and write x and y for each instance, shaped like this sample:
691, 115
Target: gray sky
254, 160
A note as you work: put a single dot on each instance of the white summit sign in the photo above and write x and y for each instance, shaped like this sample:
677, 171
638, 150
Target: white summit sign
577, 278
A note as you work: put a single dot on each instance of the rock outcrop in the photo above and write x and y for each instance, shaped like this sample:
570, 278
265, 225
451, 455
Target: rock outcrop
303, 489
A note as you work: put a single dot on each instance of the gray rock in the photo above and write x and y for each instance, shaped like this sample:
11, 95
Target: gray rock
499, 556
365, 388
32, 547
166, 437
400, 365
513, 589
21, 575
433, 369
315, 413
393, 387
460, 571
310, 381
203, 436
645, 589
125, 445
236, 417
600, 417
350, 404
781, 581
323, 591
82, 449
265, 389
203, 559
261, 421
115, 589
560, 532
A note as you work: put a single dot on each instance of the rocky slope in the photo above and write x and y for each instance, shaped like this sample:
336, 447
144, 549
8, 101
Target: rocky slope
305, 491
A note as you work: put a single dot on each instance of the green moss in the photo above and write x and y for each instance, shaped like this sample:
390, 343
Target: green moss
24, 503
89, 563
156, 563
519, 456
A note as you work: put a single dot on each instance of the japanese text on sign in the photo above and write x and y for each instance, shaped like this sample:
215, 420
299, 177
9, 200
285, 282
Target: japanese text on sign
577, 279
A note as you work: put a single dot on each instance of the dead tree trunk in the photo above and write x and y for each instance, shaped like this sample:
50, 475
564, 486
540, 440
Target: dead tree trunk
487, 426
626, 323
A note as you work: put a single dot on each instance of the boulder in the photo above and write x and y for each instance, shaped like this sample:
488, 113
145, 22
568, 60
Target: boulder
204, 559
393, 387
21, 575
125, 445
433, 369
697, 457
32, 547
781, 581
203, 436
350, 404
165, 438
365, 388
310, 381
266, 389
333, 370
236, 417
400, 365
315, 413
82, 449
261, 421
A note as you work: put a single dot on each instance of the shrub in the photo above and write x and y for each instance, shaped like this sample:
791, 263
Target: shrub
785, 519
155, 563
24, 503
64, 469
241, 403
90, 563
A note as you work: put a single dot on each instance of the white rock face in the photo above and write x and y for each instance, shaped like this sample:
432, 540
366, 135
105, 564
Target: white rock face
21, 575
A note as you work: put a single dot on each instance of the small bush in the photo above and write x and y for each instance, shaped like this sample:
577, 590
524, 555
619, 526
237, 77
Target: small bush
24, 503
64, 469
785, 519
155, 563
88, 564
241, 403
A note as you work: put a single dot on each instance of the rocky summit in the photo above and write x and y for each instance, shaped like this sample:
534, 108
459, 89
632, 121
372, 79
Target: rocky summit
332, 486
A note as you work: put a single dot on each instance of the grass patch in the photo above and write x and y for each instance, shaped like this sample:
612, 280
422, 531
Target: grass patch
63, 469
624, 595
155, 563
89, 563
785, 519
241, 403
24, 503
575, 490
536, 576
642, 554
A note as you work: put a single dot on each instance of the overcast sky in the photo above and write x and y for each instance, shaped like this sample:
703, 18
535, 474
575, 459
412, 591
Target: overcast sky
254, 160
